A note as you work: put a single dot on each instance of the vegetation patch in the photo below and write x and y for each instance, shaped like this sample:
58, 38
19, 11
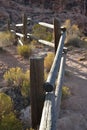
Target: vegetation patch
73, 36
65, 92
8, 119
24, 50
15, 77
42, 32
48, 61
6, 38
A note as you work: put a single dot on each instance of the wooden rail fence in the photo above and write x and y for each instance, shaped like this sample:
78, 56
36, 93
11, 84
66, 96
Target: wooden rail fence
46, 97
49, 95
50, 113
24, 35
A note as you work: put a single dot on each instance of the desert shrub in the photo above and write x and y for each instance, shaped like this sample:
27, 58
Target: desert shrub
48, 61
73, 34
42, 32
26, 84
45, 75
24, 50
17, 78
34, 42
65, 92
6, 104
72, 29
10, 122
6, 38
74, 41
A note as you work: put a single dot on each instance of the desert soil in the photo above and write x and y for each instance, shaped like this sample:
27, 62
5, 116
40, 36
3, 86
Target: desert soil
74, 108
73, 115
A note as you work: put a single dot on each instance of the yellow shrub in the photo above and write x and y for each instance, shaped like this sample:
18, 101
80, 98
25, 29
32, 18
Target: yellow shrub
65, 92
17, 78
48, 61
73, 33
6, 38
5, 104
10, 122
42, 32
24, 50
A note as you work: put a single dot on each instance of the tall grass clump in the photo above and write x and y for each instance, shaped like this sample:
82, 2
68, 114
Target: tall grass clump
48, 61
6, 38
24, 50
73, 34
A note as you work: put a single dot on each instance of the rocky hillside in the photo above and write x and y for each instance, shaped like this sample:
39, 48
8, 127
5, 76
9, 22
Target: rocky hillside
43, 11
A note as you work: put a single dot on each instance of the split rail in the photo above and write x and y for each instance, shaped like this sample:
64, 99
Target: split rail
46, 97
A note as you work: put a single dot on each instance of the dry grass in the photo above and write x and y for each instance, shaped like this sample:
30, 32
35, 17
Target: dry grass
24, 50
6, 38
65, 92
48, 61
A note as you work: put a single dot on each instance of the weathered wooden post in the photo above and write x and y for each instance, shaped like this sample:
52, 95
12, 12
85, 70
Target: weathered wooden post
57, 32
24, 20
36, 90
8, 24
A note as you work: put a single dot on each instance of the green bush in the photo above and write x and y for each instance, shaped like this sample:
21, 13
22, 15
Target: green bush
5, 104
73, 34
10, 122
17, 78
6, 38
24, 50
42, 32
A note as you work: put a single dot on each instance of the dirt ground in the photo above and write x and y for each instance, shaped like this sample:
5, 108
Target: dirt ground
74, 111
75, 79
9, 58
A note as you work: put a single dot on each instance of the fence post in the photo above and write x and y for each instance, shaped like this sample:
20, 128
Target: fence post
24, 20
36, 90
8, 24
57, 32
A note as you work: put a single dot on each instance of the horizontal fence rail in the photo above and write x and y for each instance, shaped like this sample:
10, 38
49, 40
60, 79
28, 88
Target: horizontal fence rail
52, 102
58, 90
47, 101
49, 120
46, 25
23, 36
49, 85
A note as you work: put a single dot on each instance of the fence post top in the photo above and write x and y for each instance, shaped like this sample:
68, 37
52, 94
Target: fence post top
48, 87
36, 57
63, 28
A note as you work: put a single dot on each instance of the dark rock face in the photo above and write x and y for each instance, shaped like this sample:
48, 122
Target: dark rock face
73, 10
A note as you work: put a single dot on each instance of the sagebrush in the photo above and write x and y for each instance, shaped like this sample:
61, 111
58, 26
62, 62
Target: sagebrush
24, 50
16, 77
